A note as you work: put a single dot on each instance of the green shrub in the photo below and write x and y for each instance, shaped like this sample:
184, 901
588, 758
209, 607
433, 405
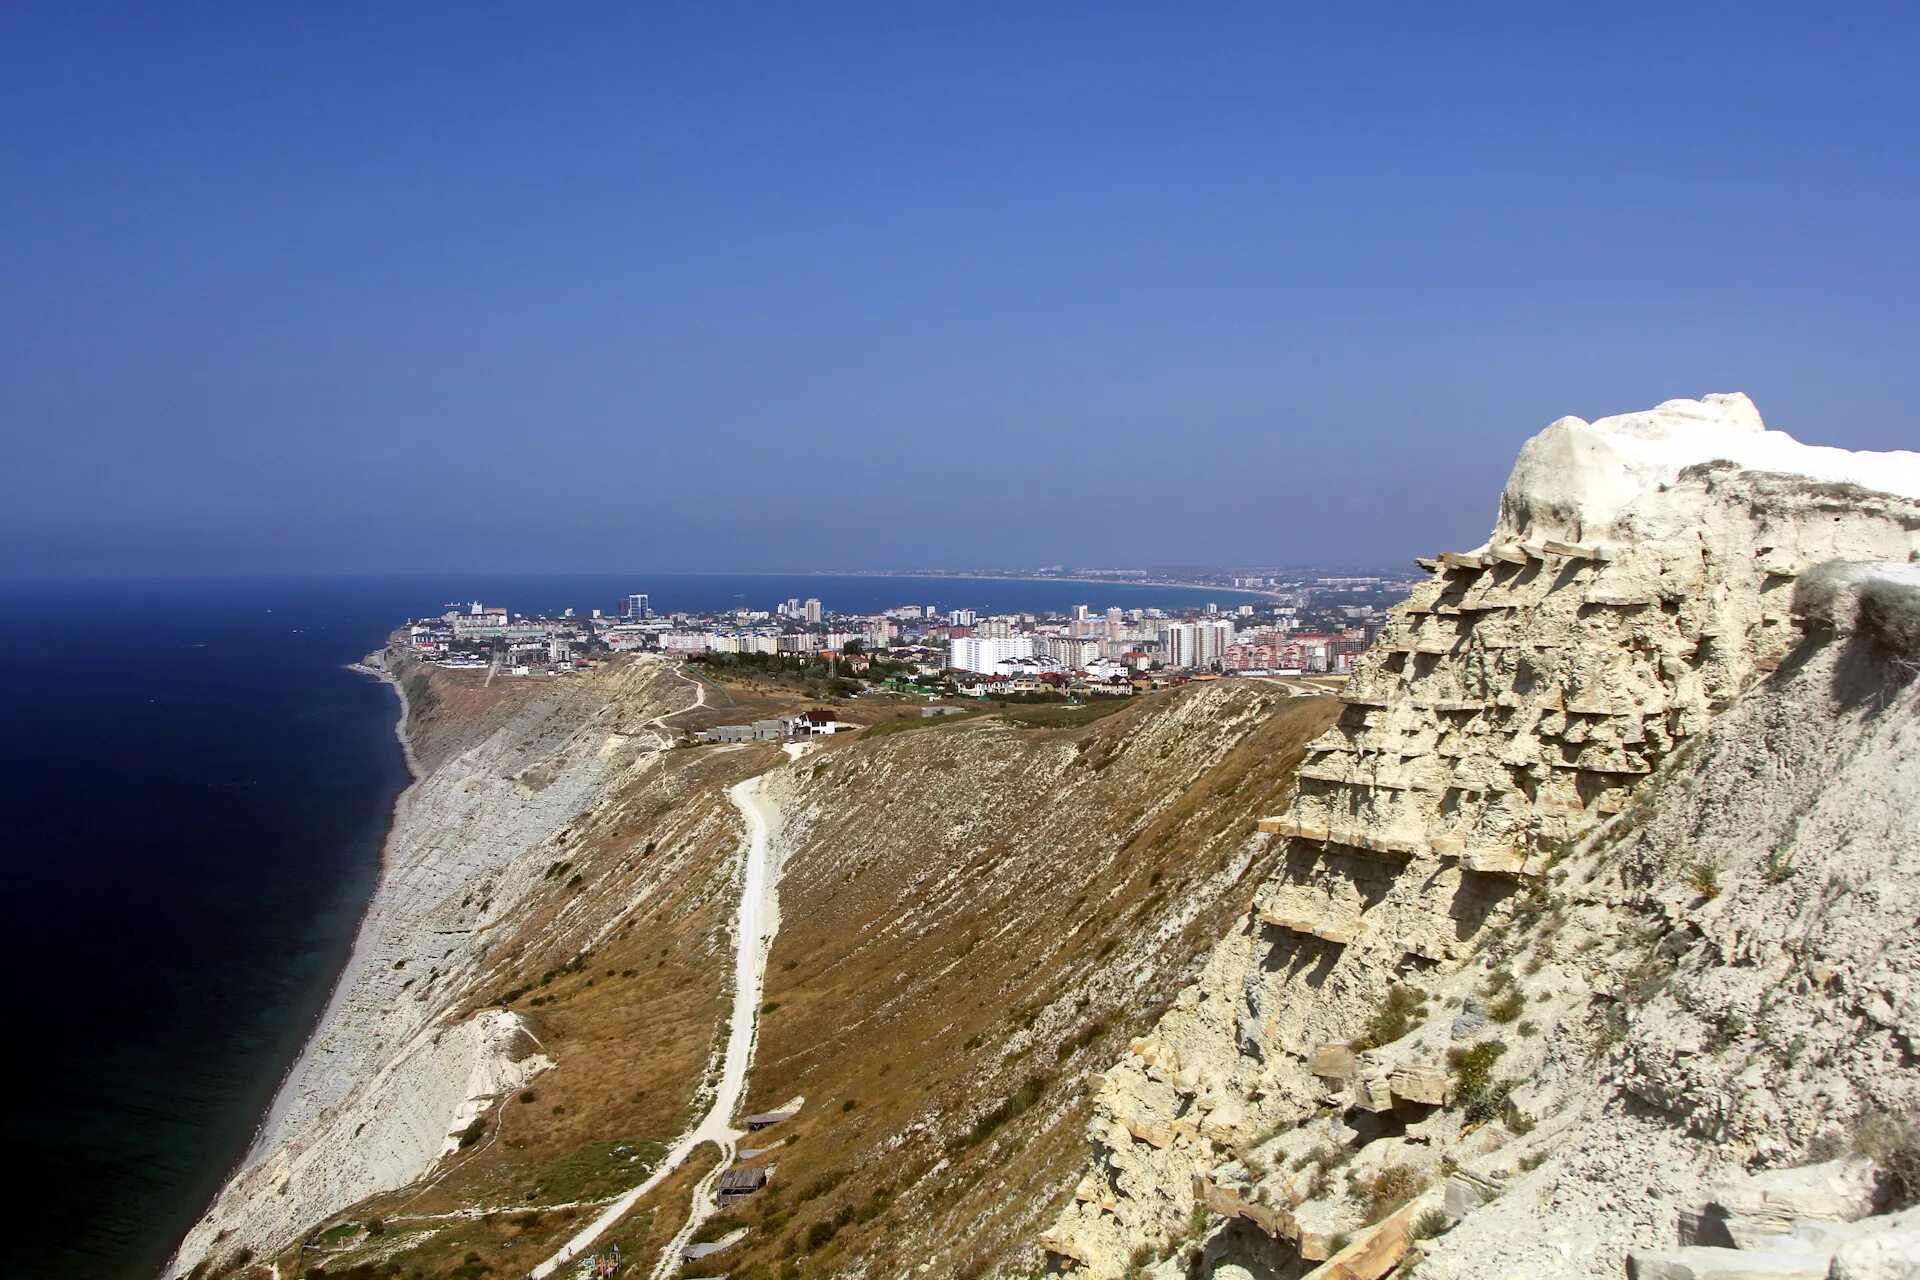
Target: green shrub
1431, 1223
1022, 1099
1397, 1015
1506, 1006
1474, 1087
1704, 879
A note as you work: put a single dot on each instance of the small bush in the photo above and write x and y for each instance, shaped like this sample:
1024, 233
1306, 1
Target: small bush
1388, 1189
1431, 1223
1081, 1039
1023, 1098
1704, 879
1396, 1016
1893, 1144
1473, 1084
1729, 1029
1327, 1156
1507, 1005
474, 1131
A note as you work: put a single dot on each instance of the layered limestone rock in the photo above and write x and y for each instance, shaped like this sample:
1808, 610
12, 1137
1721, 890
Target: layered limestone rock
1722, 985
1639, 580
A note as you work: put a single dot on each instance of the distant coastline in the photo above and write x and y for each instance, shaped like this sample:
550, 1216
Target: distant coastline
932, 575
374, 664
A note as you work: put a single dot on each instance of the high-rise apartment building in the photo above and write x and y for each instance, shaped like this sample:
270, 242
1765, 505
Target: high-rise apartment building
1198, 646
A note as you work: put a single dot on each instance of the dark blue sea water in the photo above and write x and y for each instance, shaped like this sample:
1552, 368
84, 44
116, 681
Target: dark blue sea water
193, 792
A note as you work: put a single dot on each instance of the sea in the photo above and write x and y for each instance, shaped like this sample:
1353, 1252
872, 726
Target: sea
194, 790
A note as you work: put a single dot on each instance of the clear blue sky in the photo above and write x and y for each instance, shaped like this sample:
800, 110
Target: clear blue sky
783, 287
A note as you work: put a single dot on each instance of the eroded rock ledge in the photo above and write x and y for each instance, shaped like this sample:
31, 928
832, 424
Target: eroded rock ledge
1641, 580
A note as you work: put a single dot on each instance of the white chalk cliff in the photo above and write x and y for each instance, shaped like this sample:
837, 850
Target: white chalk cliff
401, 1063
1531, 771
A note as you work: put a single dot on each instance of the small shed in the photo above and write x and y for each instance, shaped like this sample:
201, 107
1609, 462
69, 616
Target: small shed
738, 1184
767, 1119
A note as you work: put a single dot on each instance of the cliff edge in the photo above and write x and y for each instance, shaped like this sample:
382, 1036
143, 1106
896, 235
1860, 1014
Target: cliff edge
1378, 1037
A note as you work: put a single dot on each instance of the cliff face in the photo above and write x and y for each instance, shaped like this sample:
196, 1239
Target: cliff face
402, 1062
1639, 583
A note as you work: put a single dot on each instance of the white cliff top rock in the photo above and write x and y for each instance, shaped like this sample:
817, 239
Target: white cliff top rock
1575, 479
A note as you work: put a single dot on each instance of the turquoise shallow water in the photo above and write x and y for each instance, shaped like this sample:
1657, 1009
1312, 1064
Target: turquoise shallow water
194, 792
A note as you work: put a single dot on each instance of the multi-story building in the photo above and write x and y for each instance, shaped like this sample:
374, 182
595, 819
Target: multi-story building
1073, 652
982, 653
1198, 646
814, 612
479, 620
636, 606
686, 641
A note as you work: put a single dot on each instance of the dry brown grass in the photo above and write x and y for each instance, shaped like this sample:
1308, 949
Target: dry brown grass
961, 932
930, 976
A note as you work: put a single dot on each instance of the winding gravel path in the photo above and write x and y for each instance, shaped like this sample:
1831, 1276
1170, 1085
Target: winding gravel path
754, 927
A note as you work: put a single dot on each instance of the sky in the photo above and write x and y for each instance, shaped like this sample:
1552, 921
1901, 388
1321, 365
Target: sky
352, 288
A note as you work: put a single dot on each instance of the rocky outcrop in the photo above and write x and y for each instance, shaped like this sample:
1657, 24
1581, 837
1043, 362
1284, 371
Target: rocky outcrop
1640, 582
1814, 1222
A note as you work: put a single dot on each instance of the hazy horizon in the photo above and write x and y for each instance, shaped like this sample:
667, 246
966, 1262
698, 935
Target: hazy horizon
732, 289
